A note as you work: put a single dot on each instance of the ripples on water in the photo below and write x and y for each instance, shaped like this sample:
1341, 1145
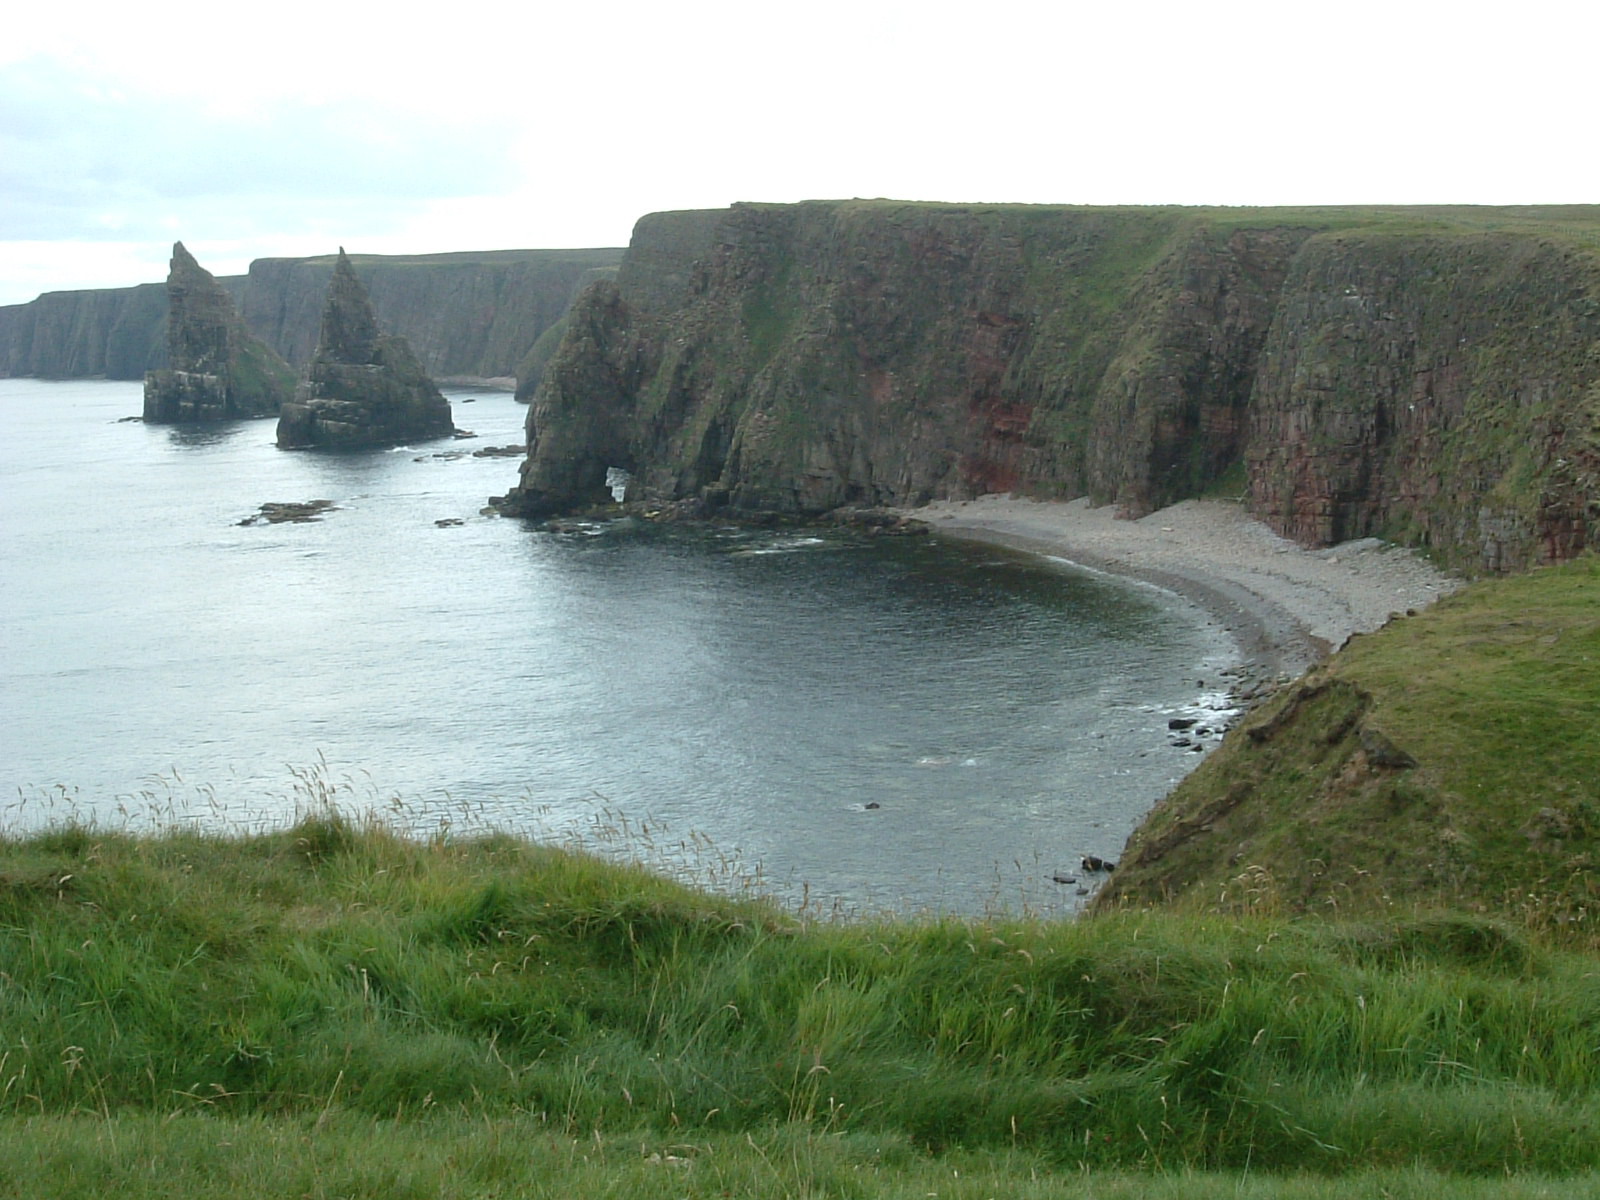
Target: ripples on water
867, 723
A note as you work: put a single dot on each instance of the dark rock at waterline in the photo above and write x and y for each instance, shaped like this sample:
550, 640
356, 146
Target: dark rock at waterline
363, 387
1063, 878
877, 521
277, 512
1093, 863
219, 371
1183, 722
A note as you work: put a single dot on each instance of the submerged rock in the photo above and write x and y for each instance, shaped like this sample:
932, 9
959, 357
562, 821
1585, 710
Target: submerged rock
219, 371
363, 387
276, 512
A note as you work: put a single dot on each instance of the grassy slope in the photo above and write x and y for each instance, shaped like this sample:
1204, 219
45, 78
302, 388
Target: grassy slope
1492, 692
297, 995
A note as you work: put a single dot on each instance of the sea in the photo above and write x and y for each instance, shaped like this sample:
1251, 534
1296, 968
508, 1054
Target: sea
848, 724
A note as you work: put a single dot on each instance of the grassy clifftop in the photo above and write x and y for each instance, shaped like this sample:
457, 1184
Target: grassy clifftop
1449, 758
241, 1013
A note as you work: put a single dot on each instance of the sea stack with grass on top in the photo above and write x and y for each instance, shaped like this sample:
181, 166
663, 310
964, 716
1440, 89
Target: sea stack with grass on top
218, 371
362, 387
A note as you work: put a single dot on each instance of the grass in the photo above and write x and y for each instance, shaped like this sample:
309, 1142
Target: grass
335, 1009
1487, 695
356, 1158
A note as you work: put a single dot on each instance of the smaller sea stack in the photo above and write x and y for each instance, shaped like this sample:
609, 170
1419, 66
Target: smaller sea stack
363, 387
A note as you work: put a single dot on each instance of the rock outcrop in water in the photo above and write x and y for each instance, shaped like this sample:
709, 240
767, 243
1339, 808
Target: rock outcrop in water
1431, 375
363, 387
219, 371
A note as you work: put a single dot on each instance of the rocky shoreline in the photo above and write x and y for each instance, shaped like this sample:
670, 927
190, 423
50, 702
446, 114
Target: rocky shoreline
1285, 607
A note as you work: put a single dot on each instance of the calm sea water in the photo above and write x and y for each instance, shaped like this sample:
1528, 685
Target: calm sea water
899, 723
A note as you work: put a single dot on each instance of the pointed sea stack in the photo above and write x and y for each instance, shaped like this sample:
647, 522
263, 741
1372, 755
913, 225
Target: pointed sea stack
363, 387
219, 371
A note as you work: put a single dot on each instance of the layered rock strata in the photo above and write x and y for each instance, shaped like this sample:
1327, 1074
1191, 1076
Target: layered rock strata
219, 371
363, 387
1428, 375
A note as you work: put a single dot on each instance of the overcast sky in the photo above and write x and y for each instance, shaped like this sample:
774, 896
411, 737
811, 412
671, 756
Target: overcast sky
292, 128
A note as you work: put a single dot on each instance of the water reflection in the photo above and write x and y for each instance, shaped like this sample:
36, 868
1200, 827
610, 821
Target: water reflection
198, 435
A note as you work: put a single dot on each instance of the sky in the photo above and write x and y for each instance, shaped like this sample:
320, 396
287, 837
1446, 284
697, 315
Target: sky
249, 131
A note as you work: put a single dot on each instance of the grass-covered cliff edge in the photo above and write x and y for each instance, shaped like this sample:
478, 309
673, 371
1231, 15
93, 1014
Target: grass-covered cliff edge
1446, 759
1430, 374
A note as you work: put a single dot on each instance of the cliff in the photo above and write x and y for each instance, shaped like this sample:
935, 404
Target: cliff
1427, 374
468, 315
219, 370
1440, 388
118, 333
363, 387
471, 315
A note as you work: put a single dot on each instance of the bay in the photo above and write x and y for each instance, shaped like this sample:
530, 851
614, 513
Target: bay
851, 724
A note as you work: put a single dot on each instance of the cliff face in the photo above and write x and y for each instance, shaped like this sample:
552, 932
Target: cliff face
119, 333
469, 315
363, 387
802, 357
219, 370
1444, 388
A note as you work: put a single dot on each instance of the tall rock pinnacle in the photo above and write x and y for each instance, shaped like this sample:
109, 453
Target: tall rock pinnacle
363, 387
219, 371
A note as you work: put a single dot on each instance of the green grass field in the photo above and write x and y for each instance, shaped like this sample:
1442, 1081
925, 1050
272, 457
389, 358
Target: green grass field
334, 1010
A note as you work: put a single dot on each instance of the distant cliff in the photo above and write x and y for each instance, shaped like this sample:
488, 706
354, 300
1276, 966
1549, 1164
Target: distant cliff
119, 333
1429, 374
467, 315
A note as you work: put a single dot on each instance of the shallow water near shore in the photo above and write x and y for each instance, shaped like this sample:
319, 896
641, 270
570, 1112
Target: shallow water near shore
859, 723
